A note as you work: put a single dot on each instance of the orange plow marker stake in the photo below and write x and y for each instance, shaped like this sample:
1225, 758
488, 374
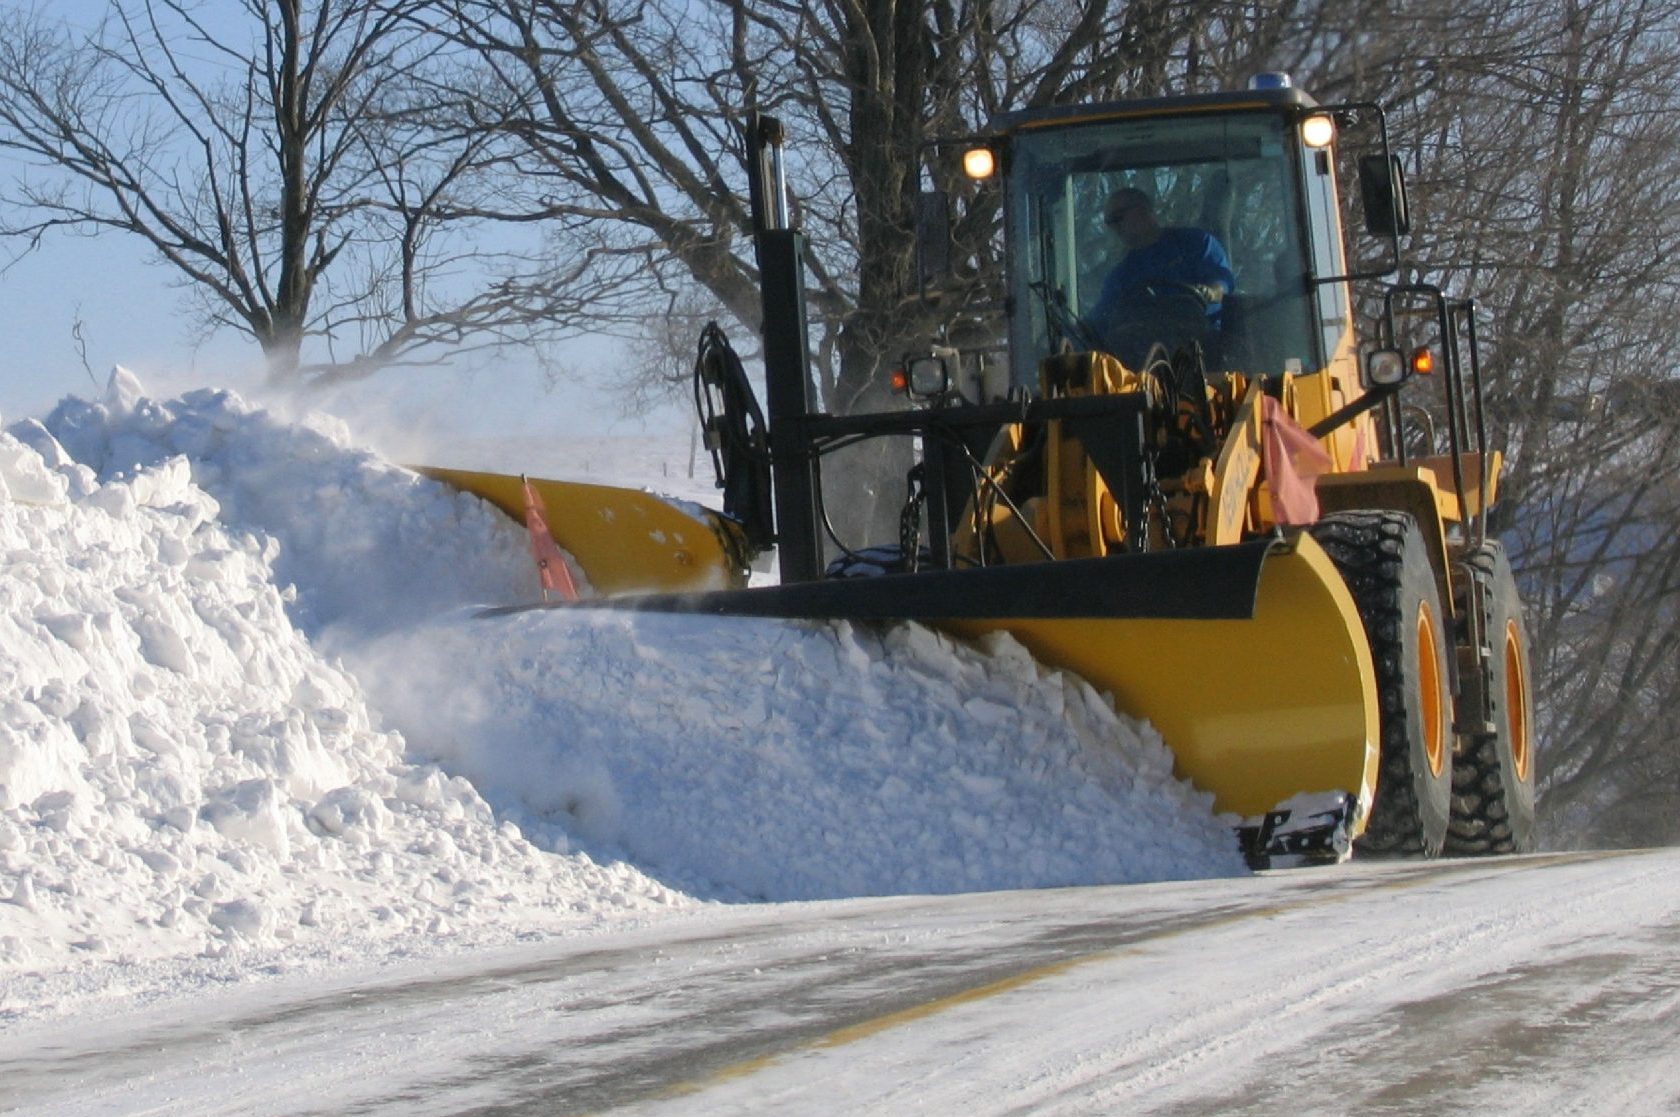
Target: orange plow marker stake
551, 561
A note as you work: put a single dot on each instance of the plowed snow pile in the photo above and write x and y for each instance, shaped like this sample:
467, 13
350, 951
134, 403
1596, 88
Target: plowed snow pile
246, 711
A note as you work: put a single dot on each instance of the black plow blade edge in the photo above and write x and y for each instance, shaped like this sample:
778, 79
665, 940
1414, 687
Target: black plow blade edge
1206, 583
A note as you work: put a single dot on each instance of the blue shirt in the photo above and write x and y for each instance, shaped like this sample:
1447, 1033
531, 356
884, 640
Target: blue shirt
1181, 254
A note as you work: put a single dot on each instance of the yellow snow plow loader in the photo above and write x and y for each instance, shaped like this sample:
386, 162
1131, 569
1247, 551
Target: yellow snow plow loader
1197, 489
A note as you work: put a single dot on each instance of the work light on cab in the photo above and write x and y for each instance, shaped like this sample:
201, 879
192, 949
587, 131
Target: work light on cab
1317, 131
979, 163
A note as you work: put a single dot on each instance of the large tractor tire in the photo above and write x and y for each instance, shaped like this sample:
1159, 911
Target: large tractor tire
1493, 777
1383, 560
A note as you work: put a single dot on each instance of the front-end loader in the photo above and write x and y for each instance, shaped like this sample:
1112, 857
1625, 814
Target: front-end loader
1225, 517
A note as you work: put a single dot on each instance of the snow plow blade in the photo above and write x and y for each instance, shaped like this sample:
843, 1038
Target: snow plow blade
1257, 709
625, 540
1250, 660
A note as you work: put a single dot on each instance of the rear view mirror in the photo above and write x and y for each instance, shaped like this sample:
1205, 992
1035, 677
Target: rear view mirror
1382, 190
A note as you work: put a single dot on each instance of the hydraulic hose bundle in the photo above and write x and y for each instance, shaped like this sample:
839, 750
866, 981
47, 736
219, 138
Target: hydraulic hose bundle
736, 436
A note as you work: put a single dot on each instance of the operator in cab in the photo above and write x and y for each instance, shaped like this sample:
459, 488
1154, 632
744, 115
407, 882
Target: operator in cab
1169, 287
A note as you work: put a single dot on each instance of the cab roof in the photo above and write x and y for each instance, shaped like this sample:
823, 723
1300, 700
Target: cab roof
1286, 100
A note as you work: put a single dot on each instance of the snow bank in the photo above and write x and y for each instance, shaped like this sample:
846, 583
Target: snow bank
751, 759
244, 703
181, 771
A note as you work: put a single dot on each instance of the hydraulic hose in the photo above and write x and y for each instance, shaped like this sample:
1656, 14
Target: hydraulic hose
736, 436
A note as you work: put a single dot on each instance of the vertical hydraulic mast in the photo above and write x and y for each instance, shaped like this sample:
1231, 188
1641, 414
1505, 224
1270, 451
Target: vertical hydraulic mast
787, 366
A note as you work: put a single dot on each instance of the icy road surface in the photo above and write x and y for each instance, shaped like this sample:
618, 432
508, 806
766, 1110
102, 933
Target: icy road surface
1543, 984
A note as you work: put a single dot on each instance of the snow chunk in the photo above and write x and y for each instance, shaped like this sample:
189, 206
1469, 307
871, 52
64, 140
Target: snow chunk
251, 811
24, 476
349, 812
123, 391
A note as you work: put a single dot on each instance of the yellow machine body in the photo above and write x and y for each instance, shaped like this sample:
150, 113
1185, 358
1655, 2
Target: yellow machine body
1255, 710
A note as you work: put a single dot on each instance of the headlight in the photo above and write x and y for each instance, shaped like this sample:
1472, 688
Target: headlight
925, 376
1385, 366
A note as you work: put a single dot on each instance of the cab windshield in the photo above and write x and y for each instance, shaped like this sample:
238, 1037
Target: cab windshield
1233, 177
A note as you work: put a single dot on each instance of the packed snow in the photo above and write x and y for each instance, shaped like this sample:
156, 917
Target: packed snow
251, 720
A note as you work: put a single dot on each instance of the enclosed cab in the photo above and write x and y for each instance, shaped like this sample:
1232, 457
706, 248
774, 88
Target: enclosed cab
1251, 169
1256, 171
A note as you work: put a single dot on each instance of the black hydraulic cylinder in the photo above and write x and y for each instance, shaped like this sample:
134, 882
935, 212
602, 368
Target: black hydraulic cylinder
787, 362
787, 386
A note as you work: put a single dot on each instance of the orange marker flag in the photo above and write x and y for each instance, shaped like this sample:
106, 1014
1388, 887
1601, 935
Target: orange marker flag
1292, 459
551, 561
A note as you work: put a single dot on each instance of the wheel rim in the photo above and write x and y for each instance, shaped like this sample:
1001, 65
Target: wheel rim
1516, 701
1431, 691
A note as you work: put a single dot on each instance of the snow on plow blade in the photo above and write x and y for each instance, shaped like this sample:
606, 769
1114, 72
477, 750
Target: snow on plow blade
626, 540
1250, 660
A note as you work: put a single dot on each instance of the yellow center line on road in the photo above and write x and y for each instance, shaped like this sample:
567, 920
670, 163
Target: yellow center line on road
853, 1033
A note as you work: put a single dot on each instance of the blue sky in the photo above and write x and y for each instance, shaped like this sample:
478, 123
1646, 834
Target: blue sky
128, 311
127, 314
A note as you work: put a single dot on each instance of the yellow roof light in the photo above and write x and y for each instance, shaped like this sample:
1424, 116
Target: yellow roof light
979, 162
1318, 130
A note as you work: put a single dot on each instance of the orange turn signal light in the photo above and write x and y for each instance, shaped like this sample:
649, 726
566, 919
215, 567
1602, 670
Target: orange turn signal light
1423, 360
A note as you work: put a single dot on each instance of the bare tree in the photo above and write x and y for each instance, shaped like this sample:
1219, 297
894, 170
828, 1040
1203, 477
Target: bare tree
280, 160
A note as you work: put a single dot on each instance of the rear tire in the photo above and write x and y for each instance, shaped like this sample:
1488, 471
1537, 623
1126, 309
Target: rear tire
1383, 560
1493, 777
